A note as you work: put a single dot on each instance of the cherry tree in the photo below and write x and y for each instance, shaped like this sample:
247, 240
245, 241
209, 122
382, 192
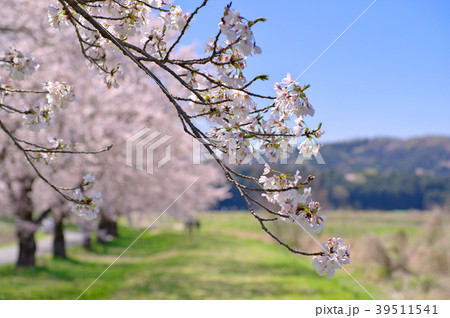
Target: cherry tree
124, 190
244, 123
18, 145
30, 108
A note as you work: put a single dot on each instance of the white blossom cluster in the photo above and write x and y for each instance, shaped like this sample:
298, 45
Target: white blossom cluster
154, 43
308, 148
59, 95
88, 182
238, 33
87, 205
292, 200
124, 19
57, 16
335, 255
59, 149
175, 19
234, 113
290, 100
235, 49
38, 117
230, 107
18, 64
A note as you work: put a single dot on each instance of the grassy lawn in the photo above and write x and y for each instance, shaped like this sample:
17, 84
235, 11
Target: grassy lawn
229, 258
341, 223
356, 225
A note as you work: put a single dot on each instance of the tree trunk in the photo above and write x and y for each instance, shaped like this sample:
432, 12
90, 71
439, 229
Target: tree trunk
25, 227
106, 227
27, 250
87, 240
109, 226
59, 246
113, 229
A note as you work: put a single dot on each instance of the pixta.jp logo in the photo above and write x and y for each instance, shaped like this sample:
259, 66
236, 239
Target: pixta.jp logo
141, 148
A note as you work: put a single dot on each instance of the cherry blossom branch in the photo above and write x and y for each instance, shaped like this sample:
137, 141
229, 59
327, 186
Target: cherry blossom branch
185, 118
13, 90
188, 21
224, 97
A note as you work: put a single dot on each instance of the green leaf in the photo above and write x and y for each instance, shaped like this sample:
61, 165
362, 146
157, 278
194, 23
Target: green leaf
263, 77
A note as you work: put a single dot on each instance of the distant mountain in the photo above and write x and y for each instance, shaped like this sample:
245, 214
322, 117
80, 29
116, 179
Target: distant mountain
425, 155
380, 173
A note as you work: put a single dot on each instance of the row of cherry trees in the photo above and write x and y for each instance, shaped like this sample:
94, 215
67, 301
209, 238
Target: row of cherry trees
46, 142
120, 39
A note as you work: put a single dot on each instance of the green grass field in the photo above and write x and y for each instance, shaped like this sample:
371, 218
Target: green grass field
229, 258
214, 263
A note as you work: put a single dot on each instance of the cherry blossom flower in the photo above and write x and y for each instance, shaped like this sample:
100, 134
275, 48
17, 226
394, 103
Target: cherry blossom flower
18, 64
308, 148
335, 255
293, 201
57, 16
60, 147
288, 80
59, 94
267, 169
88, 181
175, 19
38, 117
153, 42
88, 206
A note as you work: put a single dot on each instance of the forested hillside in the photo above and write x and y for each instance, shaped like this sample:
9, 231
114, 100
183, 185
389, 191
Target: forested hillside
381, 173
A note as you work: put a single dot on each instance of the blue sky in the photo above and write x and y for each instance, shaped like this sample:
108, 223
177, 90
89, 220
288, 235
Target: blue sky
388, 75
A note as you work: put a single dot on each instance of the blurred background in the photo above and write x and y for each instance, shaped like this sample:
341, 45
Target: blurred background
382, 174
